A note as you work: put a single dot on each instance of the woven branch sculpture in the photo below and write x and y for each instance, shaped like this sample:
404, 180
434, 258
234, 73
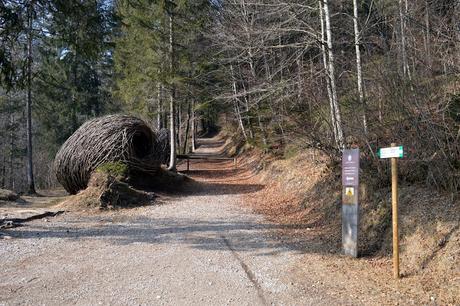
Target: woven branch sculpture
107, 139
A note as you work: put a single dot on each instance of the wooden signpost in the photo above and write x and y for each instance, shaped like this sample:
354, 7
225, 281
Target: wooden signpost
394, 152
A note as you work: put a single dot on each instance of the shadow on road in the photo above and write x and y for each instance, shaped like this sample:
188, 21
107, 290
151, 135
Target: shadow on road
209, 188
205, 235
203, 223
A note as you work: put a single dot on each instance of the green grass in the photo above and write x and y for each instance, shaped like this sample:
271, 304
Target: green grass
117, 169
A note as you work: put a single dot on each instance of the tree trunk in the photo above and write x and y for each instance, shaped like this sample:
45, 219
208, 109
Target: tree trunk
402, 24
279, 116
326, 69
240, 119
236, 104
12, 150
193, 127
362, 102
262, 128
427, 35
247, 117
164, 112
259, 117
187, 129
4, 160
335, 110
299, 80
3, 181
159, 107
179, 126
30, 168
172, 160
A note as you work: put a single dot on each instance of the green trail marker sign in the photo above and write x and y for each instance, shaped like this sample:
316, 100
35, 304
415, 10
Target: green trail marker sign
391, 152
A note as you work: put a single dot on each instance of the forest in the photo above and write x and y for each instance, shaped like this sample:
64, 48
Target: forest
282, 75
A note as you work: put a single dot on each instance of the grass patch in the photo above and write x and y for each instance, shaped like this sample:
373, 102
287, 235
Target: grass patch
116, 169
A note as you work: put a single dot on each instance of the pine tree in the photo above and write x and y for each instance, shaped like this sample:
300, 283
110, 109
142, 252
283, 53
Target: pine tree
73, 68
160, 50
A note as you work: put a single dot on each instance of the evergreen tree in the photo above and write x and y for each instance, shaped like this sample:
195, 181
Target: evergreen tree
159, 53
75, 66
56, 55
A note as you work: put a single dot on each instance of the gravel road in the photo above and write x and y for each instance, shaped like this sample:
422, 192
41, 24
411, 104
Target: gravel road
203, 248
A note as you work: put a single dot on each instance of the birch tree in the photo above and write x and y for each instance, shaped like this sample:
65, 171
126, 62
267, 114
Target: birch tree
402, 30
336, 117
359, 74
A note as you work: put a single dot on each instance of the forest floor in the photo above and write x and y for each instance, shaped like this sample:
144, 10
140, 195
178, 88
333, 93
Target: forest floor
201, 246
31, 207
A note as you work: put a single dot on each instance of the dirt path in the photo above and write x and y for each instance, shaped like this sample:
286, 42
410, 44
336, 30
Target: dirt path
31, 206
196, 249
203, 248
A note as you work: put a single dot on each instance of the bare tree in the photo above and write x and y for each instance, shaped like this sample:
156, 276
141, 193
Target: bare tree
236, 104
336, 117
272, 55
359, 72
427, 35
402, 25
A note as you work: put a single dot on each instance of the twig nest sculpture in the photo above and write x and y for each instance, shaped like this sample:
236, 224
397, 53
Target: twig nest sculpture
113, 138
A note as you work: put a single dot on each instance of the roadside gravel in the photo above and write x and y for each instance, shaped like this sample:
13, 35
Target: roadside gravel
203, 249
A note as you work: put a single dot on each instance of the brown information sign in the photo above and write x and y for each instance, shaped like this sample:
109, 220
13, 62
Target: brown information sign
350, 187
350, 167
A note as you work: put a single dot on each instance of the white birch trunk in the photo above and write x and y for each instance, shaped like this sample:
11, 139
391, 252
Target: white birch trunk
326, 69
236, 103
402, 12
359, 73
331, 62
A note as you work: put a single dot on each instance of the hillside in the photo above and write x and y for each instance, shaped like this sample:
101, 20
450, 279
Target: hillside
303, 193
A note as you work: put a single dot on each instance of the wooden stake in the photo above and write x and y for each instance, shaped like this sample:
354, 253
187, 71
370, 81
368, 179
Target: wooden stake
394, 204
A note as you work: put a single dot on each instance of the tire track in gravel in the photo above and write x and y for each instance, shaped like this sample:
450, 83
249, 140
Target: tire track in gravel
251, 276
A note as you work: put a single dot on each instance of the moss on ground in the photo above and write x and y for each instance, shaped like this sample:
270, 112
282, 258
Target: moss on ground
116, 169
